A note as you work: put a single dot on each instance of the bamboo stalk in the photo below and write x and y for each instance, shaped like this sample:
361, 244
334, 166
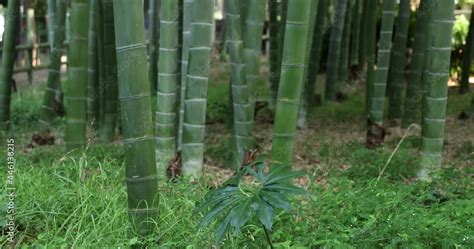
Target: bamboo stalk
355, 32
134, 95
291, 82
8, 60
110, 73
76, 89
334, 55
196, 88
93, 79
153, 13
168, 76
101, 62
398, 61
343, 75
370, 48
274, 59
187, 13
467, 57
414, 94
437, 94
375, 131
51, 21
30, 40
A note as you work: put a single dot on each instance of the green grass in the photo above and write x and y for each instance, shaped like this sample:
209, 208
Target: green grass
80, 202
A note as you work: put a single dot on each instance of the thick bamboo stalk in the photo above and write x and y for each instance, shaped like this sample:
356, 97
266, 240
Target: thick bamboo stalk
136, 115
51, 21
375, 130
52, 101
243, 121
153, 17
196, 87
110, 73
76, 88
291, 82
427, 58
398, 61
252, 30
467, 57
93, 79
343, 75
8, 60
334, 55
168, 76
305, 99
187, 13
355, 32
414, 94
437, 94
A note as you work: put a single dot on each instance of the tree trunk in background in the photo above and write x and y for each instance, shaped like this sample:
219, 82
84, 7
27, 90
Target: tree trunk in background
110, 73
370, 49
187, 13
343, 75
414, 95
437, 94
93, 80
305, 99
375, 130
76, 91
153, 10
252, 37
8, 61
291, 82
243, 122
196, 87
355, 32
137, 124
334, 55
398, 61
52, 101
168, 76
467, 57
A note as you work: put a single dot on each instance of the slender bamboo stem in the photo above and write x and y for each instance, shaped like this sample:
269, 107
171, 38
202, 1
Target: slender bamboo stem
196, 88
93, 80
168, 76
370, 48
467, 57
398, 61
101, 63
153, 15
8, 60
291, 81
31, 41
51, 21
76, 89
274, 60
343, 75
355, 32
134, 95
437, 94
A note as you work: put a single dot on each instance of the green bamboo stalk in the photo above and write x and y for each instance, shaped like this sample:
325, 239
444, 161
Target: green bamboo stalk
334, 55
8, 60
252, 38
52, 101
467, 57
93, 79
414, 94
319, 32
364, 32
437, 94
398, 61
370, 48
76, 89
243, 122
168, 76
343, 75
291, 81
274, 58
305, 100
30, 41
375, 131
134, 95
196, 87
355, 32
187, 13
51, 21
153, 15
110, 71
101, 62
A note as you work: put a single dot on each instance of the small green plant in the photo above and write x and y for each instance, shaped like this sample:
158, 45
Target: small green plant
249, 193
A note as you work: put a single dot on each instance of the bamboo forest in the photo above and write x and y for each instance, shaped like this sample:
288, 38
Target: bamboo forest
237, 124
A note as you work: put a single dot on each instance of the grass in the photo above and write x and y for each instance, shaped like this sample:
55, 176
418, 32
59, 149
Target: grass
80, 201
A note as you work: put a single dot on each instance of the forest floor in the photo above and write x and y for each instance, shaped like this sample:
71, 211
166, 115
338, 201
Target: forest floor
75, 202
